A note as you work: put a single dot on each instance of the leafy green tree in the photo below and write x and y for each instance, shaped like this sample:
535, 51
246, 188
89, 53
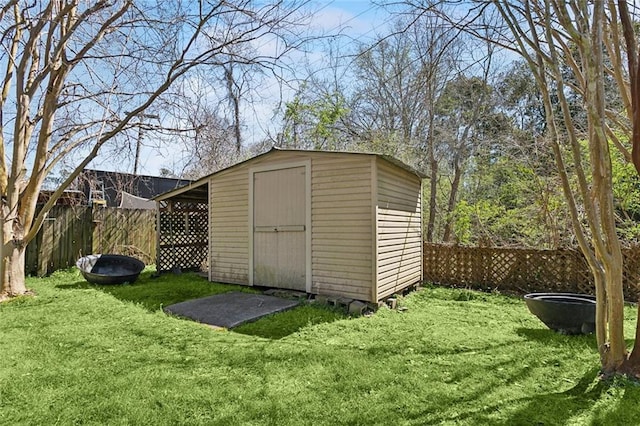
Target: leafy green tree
314, 123
464, 114
520, 99
509, 204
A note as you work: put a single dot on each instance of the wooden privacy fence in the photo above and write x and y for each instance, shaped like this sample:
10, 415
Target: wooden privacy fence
70, 232
521, 270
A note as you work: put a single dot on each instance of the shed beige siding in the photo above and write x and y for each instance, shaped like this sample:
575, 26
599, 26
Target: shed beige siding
365, 223
399, 244
341, 206
229, 226
342, 225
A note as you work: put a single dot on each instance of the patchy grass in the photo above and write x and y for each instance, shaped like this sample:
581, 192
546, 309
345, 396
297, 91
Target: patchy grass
77, 353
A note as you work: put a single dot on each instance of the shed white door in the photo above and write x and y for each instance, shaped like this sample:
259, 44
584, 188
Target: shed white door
279, 214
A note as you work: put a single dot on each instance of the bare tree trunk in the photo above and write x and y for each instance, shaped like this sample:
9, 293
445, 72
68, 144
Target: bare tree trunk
617, 350
17, 283
233, 93
601, 312
610, 302
12, 262
451, 205
433, 186
607, 273
633, 67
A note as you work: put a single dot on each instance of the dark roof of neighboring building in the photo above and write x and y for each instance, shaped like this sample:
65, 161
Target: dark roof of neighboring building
142, 186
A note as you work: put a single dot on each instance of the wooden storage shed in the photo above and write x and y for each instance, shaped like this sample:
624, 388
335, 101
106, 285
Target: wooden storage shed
329, 223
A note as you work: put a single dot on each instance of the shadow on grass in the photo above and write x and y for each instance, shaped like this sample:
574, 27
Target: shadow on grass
589, 400
585, 399
154, 293
548, 336
283, 324
588, 396
552, 337
625, 410
521, 406
568, 406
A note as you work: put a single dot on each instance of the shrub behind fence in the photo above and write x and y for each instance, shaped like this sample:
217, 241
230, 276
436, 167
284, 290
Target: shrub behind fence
521, 270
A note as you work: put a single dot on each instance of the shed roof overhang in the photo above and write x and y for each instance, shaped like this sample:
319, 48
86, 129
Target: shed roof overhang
195, 192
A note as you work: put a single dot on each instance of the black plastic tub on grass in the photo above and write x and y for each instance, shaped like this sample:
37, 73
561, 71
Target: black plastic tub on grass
109, 268
567, 313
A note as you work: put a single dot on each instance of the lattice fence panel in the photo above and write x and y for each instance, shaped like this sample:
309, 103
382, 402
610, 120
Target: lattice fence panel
631, 273
183, 236
521, 270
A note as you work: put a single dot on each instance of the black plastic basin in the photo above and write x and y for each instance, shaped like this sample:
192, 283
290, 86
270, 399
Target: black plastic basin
567, 313
109, 268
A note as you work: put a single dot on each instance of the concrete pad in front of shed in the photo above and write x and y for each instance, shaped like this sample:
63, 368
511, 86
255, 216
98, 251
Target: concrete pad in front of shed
230, 310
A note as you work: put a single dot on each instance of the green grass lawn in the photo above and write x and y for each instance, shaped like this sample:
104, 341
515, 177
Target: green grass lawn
79, 354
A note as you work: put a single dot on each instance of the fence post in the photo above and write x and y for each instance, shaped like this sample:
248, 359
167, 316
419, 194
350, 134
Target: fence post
45, 254
96, 230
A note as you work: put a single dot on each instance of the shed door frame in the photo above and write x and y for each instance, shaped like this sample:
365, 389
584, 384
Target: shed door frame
307, 174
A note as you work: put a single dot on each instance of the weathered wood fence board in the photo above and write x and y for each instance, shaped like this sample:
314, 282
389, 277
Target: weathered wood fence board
70, 232
125, 231
521, 270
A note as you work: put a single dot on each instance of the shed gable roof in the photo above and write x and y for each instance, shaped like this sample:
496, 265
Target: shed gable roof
198, 187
